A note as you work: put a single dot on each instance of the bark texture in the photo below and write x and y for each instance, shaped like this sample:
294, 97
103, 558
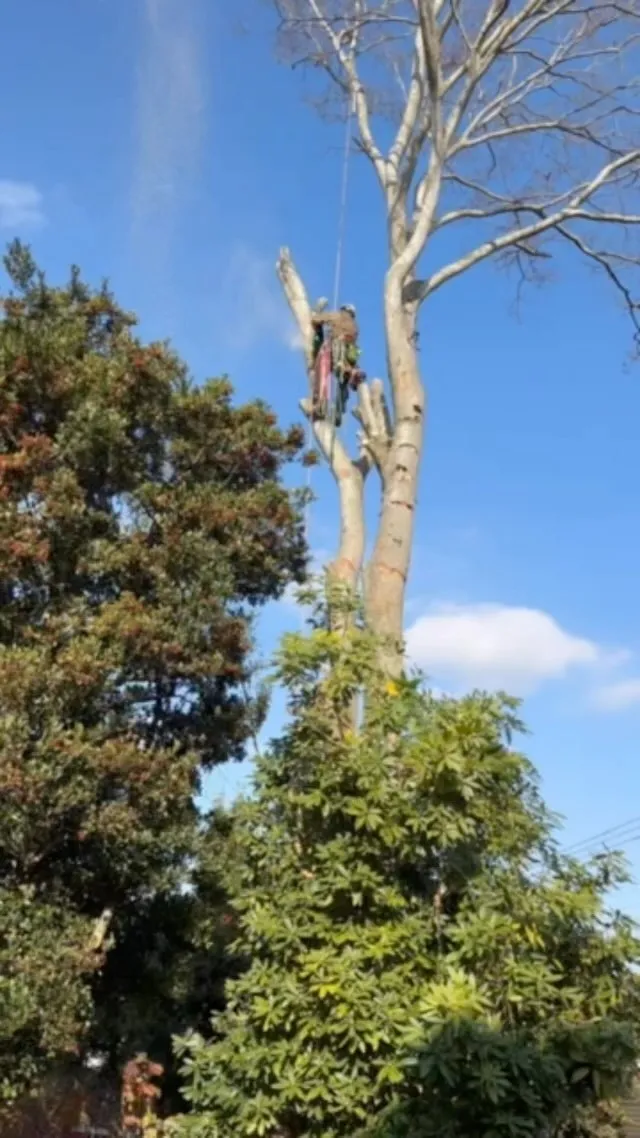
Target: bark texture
388, 568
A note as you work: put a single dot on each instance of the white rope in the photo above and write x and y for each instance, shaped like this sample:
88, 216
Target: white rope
343, 206
342, 217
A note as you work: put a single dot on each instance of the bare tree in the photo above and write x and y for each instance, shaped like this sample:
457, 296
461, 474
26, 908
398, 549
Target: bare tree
516, 121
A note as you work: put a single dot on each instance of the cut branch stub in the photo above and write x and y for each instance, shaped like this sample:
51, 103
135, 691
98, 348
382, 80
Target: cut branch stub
298, 301
373, 415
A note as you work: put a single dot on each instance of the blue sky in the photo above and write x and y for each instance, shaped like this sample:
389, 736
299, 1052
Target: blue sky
160, 144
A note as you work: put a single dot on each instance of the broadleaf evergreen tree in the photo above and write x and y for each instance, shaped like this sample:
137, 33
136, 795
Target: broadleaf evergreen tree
143, 519
392, 881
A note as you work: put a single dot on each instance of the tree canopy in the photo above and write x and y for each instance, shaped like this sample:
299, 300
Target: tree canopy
142, 521
388, 884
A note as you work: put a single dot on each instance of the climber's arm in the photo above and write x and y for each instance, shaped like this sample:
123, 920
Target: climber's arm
331, 320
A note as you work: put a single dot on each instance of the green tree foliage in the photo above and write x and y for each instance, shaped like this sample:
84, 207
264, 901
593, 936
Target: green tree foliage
478, 1078
45, 962
142, 520
166, 973
407, 919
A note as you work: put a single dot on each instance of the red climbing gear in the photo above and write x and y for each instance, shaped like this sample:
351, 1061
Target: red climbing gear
322, 381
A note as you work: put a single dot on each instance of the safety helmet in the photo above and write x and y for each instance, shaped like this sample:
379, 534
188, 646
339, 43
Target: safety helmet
350, 308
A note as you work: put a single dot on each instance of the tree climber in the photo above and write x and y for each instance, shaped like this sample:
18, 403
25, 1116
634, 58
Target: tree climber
345, 353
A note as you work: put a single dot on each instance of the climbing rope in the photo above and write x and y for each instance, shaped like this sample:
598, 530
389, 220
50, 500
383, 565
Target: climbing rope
342, 217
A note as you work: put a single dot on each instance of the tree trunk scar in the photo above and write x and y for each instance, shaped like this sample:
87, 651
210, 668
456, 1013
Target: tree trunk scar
382, 565
344, 561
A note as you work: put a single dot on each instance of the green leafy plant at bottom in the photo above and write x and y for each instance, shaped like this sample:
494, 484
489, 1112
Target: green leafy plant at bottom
417, 953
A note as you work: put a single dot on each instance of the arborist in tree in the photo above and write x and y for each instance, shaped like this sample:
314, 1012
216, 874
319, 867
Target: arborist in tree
343, 333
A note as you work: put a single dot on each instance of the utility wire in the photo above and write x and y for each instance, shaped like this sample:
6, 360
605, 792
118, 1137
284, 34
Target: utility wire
604, 837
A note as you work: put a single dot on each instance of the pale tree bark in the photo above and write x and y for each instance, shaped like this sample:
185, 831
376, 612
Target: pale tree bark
518, 123
350, 474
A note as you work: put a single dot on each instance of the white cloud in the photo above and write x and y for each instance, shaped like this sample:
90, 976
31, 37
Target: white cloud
170, 111
20, 204
255, 308
497, 645
617, 696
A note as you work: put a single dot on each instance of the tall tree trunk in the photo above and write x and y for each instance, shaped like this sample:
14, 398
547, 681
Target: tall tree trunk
388, 568
348, 564
344, 572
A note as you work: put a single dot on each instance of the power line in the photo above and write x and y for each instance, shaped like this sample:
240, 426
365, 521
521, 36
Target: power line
615, 833
617, 842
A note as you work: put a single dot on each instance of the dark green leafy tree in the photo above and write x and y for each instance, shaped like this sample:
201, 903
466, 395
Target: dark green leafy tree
166, 974
476, 1078
45, 1000
404, 912
142, 521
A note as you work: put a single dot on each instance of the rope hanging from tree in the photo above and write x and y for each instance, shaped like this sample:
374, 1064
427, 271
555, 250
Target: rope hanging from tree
342, 216
337, 276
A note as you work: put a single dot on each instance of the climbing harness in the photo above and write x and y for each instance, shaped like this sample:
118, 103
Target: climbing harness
322, 381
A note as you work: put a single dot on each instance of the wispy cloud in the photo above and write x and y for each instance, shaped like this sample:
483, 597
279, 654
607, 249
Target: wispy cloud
21, 205
618, 696
170, 113
255, 309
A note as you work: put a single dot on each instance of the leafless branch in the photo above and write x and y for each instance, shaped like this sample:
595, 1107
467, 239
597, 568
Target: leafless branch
557, 75
515, 236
